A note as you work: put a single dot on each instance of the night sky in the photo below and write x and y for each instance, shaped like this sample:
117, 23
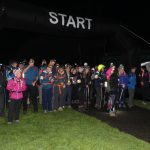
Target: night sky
21, 44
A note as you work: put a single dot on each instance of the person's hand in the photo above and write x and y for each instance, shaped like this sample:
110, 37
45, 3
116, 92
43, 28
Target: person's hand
33, 83
123, 85
142, 84
68, 83
51, 79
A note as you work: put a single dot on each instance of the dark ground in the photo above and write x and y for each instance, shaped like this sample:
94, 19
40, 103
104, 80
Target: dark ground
135, 121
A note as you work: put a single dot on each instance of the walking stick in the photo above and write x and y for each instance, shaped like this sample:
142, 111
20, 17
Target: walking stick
121, 94
87, 97
101, 92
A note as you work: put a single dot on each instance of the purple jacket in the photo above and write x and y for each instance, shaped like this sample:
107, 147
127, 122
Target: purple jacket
15, 87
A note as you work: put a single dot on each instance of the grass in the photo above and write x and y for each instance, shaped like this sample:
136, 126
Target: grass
67, 130
143, 104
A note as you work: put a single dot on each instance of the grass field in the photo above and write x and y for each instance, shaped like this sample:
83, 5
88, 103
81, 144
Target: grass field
67, 130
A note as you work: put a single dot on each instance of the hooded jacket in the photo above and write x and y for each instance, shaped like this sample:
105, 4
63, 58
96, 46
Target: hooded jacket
16, 87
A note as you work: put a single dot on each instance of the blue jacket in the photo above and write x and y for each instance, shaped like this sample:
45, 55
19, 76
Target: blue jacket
46, 80
123, 79
132, 81
31, 75
99, 80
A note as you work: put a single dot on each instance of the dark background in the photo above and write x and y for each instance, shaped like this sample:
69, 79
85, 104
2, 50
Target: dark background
22, 44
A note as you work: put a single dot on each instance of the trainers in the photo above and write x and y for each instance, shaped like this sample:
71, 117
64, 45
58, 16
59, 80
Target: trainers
17, 121
50, 111
112, 114
60, 109
69, 106
54, 110
9, 122
45, 111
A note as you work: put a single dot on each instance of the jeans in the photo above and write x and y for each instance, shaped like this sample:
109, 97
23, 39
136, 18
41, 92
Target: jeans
131, 97
47, 95
67, 95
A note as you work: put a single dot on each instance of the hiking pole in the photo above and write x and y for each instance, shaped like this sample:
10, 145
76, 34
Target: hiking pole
87, 92
101, 92
105, 92
121, 95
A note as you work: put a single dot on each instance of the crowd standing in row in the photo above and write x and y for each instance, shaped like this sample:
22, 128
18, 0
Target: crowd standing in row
57, 87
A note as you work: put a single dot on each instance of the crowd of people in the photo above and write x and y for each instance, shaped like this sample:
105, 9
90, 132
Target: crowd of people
58, 86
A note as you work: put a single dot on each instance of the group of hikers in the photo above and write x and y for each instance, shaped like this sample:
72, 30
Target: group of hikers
57, 87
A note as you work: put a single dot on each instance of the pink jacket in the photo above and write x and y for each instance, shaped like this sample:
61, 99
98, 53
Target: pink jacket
15, 87
108, 73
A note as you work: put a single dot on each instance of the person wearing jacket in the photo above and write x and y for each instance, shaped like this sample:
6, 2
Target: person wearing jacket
98, 84
131, 86
2, 94
60, 81
31, 74
9, 73
113, 94
42, 67
46, 80
123, 84
15, 87
68, 91
144, 82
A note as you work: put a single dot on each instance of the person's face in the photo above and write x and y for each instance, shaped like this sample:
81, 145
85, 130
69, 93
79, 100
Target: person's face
74, 71
121, 71
48, 69
44, 62
52, 63
14, 64
61, 71
68, 69
21, 66
31, 62
133, 70
142, 69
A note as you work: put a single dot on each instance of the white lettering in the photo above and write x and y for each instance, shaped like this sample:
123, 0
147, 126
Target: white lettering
80, 21
53, 18
89, 23
63, 18
71, 22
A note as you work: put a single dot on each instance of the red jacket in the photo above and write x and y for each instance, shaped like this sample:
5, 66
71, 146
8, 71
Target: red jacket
16, 86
